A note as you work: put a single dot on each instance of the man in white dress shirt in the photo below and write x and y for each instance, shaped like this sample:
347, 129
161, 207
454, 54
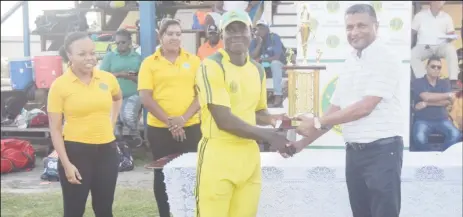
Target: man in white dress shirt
367, 106
431, 27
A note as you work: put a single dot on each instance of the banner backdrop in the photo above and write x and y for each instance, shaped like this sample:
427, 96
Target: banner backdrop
328, 35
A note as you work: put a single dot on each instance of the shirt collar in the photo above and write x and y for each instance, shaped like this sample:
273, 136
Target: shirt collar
227, 57
158, 54
367, 51
72, 77
131, 53
430, 12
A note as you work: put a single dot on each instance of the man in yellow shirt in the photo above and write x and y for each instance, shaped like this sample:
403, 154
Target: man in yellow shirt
233, 98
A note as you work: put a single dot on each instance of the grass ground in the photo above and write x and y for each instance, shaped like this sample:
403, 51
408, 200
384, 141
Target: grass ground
132, 201
129, 202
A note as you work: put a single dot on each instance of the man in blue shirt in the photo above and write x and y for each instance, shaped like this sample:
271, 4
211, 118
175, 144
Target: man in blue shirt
267, 48
124, 63
432, 95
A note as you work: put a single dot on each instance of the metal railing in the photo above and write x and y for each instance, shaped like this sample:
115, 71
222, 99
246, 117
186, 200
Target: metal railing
11, 11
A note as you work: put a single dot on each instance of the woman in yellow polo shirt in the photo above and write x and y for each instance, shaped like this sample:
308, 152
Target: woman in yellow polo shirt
89, 100
166, 82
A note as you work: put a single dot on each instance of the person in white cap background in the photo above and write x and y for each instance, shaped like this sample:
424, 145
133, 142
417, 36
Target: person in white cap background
267, 48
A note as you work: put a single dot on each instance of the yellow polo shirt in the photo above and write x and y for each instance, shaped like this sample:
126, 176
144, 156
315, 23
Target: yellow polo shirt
240, 88
86, 108
172, 84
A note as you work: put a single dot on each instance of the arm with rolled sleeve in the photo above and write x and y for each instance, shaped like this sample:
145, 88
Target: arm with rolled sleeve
382, 84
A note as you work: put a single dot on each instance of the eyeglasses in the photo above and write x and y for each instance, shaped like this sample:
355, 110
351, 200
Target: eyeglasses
435, 67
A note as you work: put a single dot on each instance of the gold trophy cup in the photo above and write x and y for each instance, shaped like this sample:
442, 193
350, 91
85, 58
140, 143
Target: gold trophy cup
303, 80
303, 89
304, 31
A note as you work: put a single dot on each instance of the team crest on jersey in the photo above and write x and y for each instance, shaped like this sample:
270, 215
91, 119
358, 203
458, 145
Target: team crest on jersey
103, 86
233, 87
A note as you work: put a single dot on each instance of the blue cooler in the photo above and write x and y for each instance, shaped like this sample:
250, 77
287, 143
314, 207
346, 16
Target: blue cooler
21, 73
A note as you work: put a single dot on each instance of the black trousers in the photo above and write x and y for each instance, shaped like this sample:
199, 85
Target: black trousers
373, 173
162, 144
98, 166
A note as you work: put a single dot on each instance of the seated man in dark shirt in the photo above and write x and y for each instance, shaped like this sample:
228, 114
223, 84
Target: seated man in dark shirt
267, 48
432, 95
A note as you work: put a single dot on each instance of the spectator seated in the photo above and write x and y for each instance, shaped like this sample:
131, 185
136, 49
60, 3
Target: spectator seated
431, 26
432, 96
267, 48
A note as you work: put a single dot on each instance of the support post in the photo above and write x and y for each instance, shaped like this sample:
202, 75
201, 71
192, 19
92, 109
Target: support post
26, 30
148, 36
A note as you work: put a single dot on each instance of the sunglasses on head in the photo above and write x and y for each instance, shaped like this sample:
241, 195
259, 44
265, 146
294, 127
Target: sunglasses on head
435, 67
168, 19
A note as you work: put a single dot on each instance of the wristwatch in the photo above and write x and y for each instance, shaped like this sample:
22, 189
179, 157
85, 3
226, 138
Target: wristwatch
450, 95
318, 125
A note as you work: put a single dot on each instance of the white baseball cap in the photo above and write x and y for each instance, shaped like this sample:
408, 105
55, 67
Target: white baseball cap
262, 22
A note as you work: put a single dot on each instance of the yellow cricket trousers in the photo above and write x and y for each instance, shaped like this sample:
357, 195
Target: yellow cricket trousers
228, 178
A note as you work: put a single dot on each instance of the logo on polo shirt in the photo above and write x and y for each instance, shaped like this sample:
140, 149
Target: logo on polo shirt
332, 41
233, 87
186, 65
396, 24
326, 98
377, 5
103, 86
332, 7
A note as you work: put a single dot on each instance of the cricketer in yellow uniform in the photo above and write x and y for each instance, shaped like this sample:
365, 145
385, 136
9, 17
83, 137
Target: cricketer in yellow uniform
228, 171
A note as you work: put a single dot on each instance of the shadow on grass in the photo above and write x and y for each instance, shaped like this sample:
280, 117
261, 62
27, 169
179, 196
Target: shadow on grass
129, 202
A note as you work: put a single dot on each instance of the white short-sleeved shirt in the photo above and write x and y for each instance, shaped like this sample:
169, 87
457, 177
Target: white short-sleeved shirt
375, 73
430, 27
235, 5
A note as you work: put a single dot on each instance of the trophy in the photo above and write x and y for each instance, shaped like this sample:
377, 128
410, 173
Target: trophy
304, 31
303, 79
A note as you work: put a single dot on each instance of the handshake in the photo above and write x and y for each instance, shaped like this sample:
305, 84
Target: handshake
278, 140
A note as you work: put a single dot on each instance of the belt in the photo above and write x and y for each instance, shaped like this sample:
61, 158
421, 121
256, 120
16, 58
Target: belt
360, 146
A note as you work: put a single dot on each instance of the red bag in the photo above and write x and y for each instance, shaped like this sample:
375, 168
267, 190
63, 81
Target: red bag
16, 155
